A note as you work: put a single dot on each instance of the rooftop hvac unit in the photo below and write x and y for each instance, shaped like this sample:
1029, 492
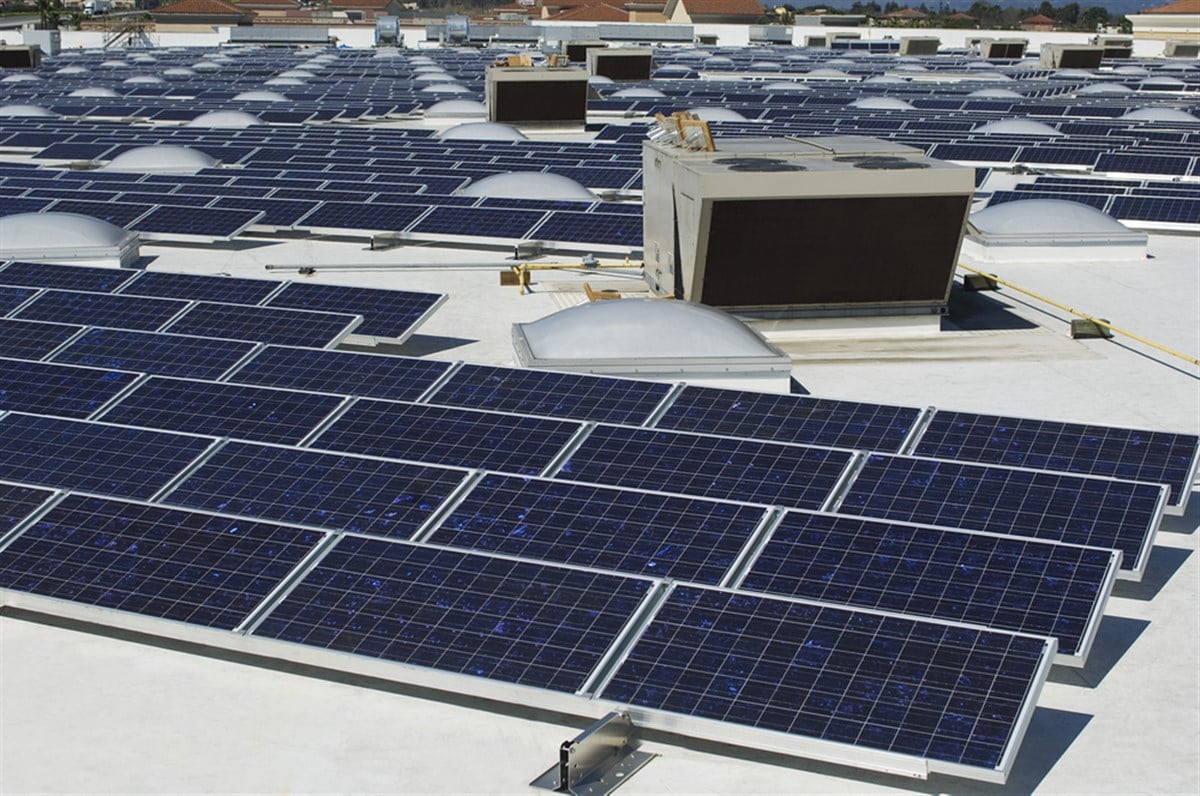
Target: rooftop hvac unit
1179, 48
19, 57
537, 95
50, 41
1115, 46
789, 227
814, 41
830, 38
387, 32
1071, 56
621, 63
919, 45
577, 51
770, 34
1003, 48
458, 29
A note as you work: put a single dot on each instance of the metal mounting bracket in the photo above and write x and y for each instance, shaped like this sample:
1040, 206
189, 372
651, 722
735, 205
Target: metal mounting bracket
597, 761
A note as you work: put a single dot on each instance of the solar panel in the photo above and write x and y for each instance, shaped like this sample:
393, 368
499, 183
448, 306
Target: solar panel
386, 313
485, 222
790, 418
1137, 163
13, 205
13, 297
65, 277
457, 437
225, 410
155, 352
1009, 583
336, 491
1127, 453
224, 289
276, 212
1172, 210
537, 392
264, 324
92, 457
17, 502
517, 622
360, 216
400, 378
120, 214
101, 309
196, 568
196, 221
948, 694
691, 464
60, 390
620, 530
615, 229
33, 339
1098, 512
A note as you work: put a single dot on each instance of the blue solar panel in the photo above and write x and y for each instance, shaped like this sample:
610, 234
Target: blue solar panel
225, 410
264, 324
195, 568
913, 687
155, 352
1137, 163
357, 215
372, 375
60, 390
13, 205
790, 418
986, 153
92, 457
458, 437
225, 289
33, 339
621, 530
276, 212
485, 222
198, 221
120, 214
17, 502
386, 313
534, 392
614, 229
1165, 209
518, 622
1010, 583
346, 493
1119, 515
13, 297
1131, 454
101, 309
65, 277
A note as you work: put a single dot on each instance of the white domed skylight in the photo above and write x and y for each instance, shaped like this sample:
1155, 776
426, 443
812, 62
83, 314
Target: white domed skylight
1018, 127
225, 120
530, 185
882, 104
462, 109
482, 131
65, 237
160, 159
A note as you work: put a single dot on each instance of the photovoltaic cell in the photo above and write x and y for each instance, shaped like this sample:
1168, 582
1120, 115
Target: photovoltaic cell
60, 390
225, 410
155, 352
1098, 512
204, 222
790, 418
934, 691
457, 437
33, 339
328, 490
620, 530
92, 457
386, 313
613, 229
194, 287
401, 378
120, 214
535, 392
16, 503
357, 215
690, 464
101, 309
1009, 583
479, 222
13, 297
264, 324
1131, 454
65, 277
517, 622
189, 567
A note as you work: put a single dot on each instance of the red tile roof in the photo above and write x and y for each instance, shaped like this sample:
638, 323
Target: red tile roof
724, 8
593, 12
1178, 7
206, 8
1037, 19
961, 15
907, 13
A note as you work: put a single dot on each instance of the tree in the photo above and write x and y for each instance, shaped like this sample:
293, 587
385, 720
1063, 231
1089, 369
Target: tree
50, 12
1093, 18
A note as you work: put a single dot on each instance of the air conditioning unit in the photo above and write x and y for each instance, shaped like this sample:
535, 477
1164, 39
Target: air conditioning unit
537, 95
919, 45
793, 227
1179, 48
830, 38
1071, 56
621, 64
18, 57
1003, 48
577, 50
1115, 46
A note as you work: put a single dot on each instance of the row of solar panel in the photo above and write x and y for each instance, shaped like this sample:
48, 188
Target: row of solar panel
878, 681
1162, 209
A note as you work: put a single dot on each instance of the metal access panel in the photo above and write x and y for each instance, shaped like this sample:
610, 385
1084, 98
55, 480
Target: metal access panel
537, 95
840, 225
20, 57
577, 50
1003, 48
1115, 46
770, 34
1179, 48
621, 64
1071, 56
919, 45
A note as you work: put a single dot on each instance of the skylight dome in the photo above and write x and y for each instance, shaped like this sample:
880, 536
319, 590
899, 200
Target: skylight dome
114, 64
298, 74
208, 66
65, 237
73, 70
468, 109
881, 104
143, 80
482, 131
15, 109
637, 93
1103, 89
786, 85
885, 80
260, 96
1161, 83
161, 159
995, 93
20, 78
716, 114
1051, 230
718, 62
1160, 115
530, 185
1018, 127
94, 91
445, 88
178, 71
225, 120
283, 81
826, 72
